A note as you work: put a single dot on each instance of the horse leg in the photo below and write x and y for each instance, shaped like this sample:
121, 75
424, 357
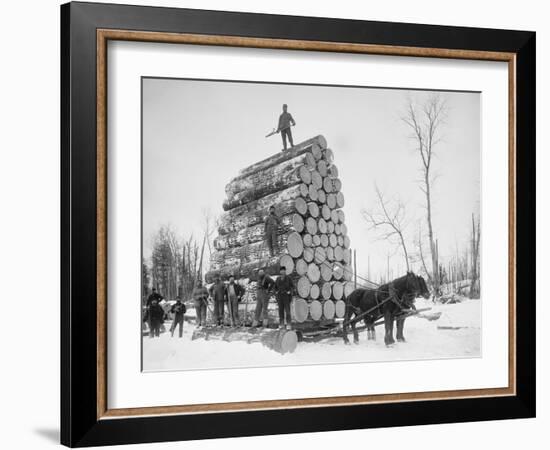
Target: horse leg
400, 325
345, 326
355, 333
388, 324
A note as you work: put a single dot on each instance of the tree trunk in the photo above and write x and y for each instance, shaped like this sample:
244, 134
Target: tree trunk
280, 157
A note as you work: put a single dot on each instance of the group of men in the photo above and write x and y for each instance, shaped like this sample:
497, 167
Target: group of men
231, 294
155, 314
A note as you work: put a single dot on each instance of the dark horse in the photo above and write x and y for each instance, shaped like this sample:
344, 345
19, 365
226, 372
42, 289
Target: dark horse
401, 293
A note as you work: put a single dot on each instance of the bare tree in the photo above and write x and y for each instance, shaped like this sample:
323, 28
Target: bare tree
420, 250
390, 219
426, 120
474, 269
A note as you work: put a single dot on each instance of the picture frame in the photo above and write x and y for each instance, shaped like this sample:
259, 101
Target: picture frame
86, 418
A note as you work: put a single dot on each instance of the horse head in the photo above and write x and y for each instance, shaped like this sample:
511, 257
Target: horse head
419, 286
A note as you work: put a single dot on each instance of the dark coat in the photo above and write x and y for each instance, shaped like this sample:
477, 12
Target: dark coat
217, 291
179, 309
284, 287
265, 284
200, 293
271, 223
285, 119
154, 296
239, 291
155, 313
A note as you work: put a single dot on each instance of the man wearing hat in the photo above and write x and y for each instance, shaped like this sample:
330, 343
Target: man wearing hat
178, 309
154, 296
264, 285
284, 288
200, 296
285, 122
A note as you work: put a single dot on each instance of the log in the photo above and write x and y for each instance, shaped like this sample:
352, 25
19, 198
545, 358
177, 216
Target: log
329, 309
337, 290
316, 310
310, 160
338, 253
280, 157
303, 286
340, 199
328, 155
290, 243
322, 225
281, 341
320, 255
287, 262
300, 205
331, 201
338, 271
340, 308
344, 229
324, 240
330, 226
322, 168
304, 190
311, 226
314, 292
326, 271
325, 212
321, 196
341, 241
327, 185
256, 233
248, 270
301, 267
335, 216
308, 254
333, 240
313, 209
295, 246
347, 255
333, 171
348, 273
318, 152
313, 273
269, 184
298, 223
313, 193
316, 179
326, 291
347, 242
338, 229
316, 240
336, 185
349, 287
255, 212
341, 216
330, 253
300, 310
280, 173
308, 240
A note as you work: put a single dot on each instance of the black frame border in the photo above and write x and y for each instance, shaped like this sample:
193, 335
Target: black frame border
79, 423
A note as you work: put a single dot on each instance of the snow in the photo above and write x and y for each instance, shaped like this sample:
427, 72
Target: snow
456, 334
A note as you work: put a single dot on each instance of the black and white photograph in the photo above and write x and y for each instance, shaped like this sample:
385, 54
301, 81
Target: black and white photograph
294, 224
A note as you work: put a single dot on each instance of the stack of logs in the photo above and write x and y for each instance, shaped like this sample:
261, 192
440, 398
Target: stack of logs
312, 241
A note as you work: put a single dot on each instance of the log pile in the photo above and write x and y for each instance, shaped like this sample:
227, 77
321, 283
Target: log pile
312, 240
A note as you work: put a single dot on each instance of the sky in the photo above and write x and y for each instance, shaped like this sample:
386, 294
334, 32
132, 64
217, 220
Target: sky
198, 134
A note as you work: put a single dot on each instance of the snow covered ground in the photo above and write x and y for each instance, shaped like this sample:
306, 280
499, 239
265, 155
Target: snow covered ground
456, 334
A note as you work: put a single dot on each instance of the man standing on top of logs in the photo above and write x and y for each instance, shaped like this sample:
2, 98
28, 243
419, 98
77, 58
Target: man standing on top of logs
217, 292
263, 287
234, 293
285, 121
270, 229
200, 296
284, 288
